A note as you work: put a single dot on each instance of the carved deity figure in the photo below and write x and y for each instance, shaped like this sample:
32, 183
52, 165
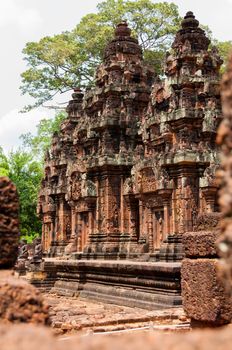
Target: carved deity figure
38, 250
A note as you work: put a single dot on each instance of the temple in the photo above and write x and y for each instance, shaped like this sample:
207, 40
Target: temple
133, 166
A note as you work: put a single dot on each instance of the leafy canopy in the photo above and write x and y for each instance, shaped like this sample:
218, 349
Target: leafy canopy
38, 144
59, 63
26, 173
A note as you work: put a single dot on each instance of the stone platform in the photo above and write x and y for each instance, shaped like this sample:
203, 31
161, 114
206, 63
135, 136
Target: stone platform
148, 285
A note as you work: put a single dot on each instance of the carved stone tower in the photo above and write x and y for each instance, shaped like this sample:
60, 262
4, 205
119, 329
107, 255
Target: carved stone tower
133, 167
175, 182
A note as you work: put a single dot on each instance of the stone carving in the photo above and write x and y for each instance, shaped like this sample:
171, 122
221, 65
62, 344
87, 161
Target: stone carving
127, 147
38, 250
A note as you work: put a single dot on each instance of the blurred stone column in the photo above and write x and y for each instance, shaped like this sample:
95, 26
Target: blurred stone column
9, 223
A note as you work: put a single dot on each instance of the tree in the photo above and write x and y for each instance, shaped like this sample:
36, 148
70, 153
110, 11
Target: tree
38, 144
25, 168
26, 173
225, 48
59, 63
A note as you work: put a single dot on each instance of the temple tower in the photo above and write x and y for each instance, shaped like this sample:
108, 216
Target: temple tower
134, 166
108, 137
53, 207
176, 180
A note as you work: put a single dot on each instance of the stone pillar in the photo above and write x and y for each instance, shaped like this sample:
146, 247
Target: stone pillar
166, 226
141, 224
97, 206
9, 223
73, 223
61, 220
79, 229
43, 237
209, 195
204, 295
150, 230
122, 209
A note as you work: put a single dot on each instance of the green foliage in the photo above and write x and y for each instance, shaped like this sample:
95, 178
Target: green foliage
59, 63
26, 173
25, 168
30, 238
225, 49
38, 144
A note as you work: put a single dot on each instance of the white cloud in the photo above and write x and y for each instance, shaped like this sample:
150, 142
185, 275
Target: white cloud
14, 124
12, 13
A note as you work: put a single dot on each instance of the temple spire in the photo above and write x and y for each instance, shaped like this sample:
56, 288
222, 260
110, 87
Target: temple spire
122, 43
191, 32
122, 30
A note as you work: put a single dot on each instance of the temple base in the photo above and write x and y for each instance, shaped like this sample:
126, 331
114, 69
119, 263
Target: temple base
148, 285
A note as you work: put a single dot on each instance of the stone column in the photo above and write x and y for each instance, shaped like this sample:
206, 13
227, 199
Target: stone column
122, 228
73, 223
61, 221
79, 233
150, 230
166, 226
97, 206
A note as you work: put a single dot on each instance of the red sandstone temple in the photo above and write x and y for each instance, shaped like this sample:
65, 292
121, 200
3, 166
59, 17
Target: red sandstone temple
134, 163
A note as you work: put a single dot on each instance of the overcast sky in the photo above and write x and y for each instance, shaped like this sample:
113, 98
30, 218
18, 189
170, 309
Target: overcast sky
29, 20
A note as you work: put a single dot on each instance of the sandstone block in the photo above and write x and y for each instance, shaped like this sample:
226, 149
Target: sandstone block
200, 244
9, 223
203, 292
20, 302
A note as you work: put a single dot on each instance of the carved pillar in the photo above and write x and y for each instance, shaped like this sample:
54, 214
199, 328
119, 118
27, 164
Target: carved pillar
150, 230
97, 206
91, 222
141, 221
73, 222
166, 226
53, 233
79, 229
210, 198
44, 236
61, 221
122, 226
108, 213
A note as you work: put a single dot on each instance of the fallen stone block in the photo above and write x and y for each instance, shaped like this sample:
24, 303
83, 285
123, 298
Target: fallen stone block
21, 302
204, 295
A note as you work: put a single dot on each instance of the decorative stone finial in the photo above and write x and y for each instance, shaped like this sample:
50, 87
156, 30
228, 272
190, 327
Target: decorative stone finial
122, 29
190, 21
119, 44
77, 94
191, 32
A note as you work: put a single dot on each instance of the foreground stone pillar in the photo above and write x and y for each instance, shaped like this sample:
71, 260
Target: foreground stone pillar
19, 302
204, 295
225, 200
9, 223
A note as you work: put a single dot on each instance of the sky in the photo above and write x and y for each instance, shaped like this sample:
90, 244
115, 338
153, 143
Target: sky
22, 21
